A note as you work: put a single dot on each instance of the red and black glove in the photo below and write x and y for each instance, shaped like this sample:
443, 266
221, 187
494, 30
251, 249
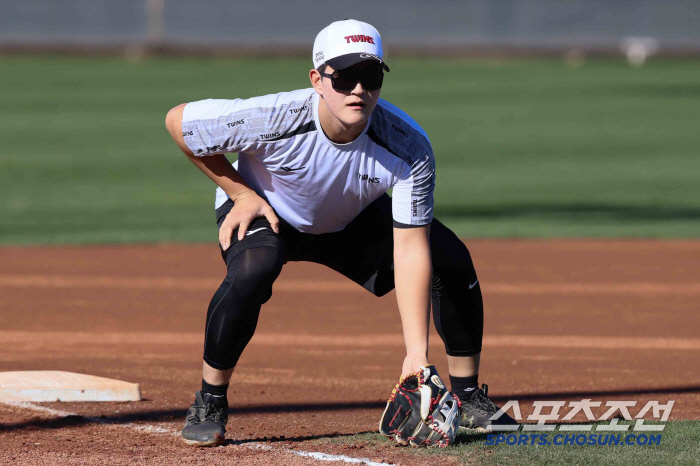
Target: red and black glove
421, 412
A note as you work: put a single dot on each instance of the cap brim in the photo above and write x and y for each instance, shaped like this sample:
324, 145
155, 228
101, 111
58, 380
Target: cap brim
347, 60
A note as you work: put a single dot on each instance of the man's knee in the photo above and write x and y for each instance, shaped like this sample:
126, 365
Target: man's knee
448, 252
253, 271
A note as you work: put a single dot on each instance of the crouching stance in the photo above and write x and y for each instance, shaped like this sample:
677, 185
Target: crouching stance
310, 184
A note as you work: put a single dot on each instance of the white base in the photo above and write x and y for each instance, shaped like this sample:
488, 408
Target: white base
64, 386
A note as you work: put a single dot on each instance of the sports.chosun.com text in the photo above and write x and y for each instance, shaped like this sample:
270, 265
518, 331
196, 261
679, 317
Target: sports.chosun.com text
573, 439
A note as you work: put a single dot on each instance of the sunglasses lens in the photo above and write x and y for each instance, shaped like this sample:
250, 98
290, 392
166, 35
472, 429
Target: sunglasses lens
346, 80
372, 79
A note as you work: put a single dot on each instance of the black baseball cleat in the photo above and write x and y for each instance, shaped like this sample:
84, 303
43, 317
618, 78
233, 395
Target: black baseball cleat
205, 425
478, 409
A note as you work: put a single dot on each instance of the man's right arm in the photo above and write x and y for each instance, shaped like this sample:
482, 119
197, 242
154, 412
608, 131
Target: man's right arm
247, 204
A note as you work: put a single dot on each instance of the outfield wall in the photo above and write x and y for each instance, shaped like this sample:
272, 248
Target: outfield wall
269, 24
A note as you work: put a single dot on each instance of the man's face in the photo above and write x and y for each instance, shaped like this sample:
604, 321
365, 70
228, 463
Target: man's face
350, 108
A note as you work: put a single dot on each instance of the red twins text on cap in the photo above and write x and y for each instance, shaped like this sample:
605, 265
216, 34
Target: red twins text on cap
344, 43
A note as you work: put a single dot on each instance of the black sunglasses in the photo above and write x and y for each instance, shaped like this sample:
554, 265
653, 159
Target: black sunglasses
345, 80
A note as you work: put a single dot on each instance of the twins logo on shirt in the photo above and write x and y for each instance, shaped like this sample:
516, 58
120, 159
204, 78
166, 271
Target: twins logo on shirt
276, 134
362, 177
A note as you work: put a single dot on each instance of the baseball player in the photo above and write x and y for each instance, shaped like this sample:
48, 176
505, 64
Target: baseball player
310, 184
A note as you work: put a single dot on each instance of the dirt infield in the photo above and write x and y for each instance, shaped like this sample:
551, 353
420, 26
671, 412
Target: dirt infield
565, 320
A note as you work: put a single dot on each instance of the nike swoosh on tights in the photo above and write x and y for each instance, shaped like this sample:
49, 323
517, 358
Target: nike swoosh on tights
473, 284
250, 232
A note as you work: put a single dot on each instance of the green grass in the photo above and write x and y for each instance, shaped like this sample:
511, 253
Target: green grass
679, 445
523, 149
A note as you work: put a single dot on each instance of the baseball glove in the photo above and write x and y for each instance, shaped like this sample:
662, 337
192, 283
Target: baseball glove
421, 412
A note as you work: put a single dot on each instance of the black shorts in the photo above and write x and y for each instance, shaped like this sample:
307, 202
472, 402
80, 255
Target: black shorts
362, 251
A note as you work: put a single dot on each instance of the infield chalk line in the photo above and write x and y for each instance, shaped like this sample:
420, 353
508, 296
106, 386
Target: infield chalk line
328, 286
69, 340
159, 430
321, 456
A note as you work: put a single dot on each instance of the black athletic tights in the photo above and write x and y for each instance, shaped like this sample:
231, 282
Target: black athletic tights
234, 309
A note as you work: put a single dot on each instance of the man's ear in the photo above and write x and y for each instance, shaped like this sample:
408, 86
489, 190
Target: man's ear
315, 78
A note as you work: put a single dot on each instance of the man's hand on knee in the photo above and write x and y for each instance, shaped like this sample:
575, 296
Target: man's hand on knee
247, 207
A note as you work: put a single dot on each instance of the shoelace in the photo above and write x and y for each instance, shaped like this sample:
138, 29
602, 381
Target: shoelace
216, 413
482, 400
194, 416
209, 410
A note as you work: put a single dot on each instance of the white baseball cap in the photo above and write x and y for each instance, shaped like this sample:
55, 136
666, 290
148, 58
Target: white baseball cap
343, 43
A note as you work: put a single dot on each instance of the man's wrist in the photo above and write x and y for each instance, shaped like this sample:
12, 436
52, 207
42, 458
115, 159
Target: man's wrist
416, 346
235, 197
417, 353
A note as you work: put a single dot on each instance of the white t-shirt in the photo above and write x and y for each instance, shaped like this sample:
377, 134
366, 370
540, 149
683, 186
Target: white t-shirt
316, 185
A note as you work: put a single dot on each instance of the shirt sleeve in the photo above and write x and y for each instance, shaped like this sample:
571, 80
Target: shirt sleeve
217, 126
412, 197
